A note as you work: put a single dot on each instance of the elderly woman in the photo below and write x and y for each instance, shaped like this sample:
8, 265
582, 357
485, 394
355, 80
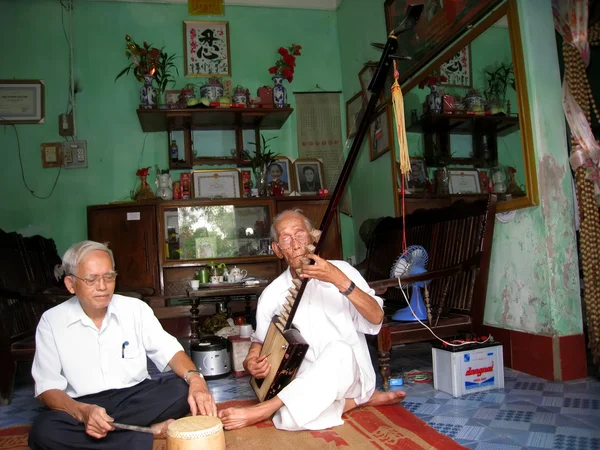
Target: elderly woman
90, 364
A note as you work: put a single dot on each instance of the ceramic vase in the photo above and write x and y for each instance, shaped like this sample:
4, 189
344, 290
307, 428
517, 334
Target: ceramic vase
143, 192
279, 93
147, 93
434, 100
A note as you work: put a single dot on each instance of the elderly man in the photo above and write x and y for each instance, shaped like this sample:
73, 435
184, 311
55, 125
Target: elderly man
336, 311
90, 364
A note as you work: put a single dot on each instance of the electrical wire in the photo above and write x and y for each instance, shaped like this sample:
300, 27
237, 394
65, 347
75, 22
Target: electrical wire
431, 331
31, 191
64, 7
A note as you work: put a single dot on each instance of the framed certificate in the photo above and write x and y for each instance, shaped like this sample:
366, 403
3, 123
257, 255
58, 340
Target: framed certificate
219, 183
464, 181
22, 101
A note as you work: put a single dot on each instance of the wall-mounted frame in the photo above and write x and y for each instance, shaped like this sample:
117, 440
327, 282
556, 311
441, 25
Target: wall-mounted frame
381, 133
458, 70
464, 181
417, 180
281, 169
218, 183
206, 49
353, 108
22, 101
365, 76
441, 23
309, 176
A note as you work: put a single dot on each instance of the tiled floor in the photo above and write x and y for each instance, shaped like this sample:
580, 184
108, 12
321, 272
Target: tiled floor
529, 413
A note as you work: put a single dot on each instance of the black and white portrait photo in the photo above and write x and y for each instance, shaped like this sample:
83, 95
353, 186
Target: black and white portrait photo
309, 174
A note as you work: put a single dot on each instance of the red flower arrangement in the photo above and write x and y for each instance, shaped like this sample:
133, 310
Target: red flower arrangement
287, 62
432, 80
142, 172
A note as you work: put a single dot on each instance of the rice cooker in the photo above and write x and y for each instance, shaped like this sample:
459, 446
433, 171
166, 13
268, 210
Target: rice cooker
212, 356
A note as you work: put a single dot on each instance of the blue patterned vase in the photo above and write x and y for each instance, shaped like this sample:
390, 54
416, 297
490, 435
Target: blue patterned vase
279, 94
434, 100
147, 93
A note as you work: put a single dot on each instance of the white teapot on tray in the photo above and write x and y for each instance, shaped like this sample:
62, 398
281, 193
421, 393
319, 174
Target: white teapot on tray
236, 274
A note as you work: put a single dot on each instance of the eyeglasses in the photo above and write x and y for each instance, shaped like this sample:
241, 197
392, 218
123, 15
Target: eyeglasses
301, 237
108, 277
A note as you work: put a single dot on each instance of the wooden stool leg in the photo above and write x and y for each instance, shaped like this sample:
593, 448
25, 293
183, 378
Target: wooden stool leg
384, 347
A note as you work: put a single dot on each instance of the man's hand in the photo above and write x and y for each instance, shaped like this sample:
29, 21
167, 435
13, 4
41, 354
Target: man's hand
200, 399
97, 421
258, 366
323, 270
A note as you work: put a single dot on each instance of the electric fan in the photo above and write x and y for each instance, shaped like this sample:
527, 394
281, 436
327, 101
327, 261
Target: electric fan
412, 262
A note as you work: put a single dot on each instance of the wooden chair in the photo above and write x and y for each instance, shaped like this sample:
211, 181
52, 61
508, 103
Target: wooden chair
458, 240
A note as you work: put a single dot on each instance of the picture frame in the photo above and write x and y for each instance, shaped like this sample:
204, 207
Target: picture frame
380, 133
458, 69
206, 48
206, 247
441, 23
282, 170
22, 101
246, 186
217, 183
172, 97
417, 181
365, 76
464, 181
308, 183
353, 108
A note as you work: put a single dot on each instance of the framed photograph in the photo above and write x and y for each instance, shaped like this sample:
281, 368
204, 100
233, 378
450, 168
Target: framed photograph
458, 69
441, 23
353, 107
280, 171
206, 47
206, 247
417, 179
218, 183
309, 176
365, 75
464, 181
380, 133
172, 97
22, 101
246, 175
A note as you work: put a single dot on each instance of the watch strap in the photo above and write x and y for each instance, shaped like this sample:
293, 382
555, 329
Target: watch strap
185, 377
348, 291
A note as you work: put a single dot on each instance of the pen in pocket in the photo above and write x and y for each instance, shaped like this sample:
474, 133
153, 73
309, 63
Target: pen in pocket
125, 344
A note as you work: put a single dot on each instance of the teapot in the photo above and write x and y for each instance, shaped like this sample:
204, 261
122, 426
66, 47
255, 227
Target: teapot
236, 274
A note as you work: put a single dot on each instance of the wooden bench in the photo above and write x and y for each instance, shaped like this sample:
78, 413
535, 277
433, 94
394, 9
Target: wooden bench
458, 240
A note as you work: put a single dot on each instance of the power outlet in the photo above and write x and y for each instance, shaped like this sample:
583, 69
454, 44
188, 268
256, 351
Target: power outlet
65, 124
75, 154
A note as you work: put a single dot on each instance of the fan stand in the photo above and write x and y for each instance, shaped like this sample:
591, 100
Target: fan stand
416, 302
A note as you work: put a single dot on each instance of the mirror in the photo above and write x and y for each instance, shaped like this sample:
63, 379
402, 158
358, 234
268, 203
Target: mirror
467, 121
216, 232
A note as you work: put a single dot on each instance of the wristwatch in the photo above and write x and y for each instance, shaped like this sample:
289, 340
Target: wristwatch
348, 291
189, 372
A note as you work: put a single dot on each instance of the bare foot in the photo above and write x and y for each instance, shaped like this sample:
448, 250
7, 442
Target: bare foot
234, 418
160, 429
386, 398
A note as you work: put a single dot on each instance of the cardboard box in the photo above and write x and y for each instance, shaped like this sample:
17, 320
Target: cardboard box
477, 369
240, 347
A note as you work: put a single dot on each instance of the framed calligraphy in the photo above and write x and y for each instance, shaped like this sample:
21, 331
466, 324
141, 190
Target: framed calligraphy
206, 49
458, 69
441, 23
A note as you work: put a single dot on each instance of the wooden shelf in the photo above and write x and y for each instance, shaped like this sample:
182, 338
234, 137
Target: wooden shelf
465, 124
152, 120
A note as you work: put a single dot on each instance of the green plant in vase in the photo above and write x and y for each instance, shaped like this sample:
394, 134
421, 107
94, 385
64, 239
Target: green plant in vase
260, 162
164, 75
498, 78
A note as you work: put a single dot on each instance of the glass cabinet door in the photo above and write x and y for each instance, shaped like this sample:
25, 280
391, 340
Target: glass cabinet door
216, 231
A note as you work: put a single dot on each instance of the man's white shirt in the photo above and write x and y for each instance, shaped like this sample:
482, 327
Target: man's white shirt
72, 355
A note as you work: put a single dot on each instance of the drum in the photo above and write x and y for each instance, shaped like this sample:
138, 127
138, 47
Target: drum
196, 433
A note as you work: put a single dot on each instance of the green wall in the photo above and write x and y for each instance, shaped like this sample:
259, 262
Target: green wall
360, 22
36, 49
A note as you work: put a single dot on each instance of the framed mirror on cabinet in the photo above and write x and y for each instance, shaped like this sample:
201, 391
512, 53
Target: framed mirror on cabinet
467, 111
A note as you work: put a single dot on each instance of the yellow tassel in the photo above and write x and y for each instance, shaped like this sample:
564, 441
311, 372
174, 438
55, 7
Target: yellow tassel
398, 102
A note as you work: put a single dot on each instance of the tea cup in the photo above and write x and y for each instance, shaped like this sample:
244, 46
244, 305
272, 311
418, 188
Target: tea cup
194, 284
215, 279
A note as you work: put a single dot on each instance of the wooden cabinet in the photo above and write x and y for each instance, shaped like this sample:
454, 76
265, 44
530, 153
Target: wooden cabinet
131, 233
139, 236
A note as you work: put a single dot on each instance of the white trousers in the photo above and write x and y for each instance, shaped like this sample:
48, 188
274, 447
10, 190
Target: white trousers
315, 399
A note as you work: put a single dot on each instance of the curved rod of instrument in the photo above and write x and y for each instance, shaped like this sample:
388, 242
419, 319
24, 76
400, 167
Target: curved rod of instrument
375, 87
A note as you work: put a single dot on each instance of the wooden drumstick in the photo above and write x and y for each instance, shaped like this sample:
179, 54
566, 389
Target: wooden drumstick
123, 426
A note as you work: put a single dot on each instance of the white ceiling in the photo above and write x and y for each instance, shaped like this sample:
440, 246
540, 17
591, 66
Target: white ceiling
302, 4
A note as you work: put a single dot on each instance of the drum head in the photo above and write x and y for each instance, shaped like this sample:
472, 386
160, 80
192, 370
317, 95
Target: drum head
194, 427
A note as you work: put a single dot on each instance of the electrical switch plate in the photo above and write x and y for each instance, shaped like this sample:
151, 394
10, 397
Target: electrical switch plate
51, 154
65, 124
75, 154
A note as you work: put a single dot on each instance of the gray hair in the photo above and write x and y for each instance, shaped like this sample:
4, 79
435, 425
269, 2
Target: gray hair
281, 217
75, 254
